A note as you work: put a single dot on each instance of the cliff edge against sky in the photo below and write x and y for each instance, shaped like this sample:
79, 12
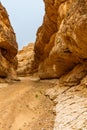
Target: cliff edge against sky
60, 52
8, 47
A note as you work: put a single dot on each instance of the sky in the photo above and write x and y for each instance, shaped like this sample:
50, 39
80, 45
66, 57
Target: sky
25, 16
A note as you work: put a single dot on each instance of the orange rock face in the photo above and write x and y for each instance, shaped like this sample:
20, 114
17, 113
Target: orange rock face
25, 59
8, 45
61, 41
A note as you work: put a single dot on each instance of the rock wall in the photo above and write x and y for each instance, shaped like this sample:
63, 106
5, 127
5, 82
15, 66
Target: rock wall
61, 52
25, 59
8, 46
61, 41
70, 103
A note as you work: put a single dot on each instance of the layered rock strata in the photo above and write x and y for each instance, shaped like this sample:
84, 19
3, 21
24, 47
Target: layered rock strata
70, 98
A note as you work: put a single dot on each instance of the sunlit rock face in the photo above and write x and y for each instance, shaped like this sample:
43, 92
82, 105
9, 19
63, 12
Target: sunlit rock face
25, 59
8, 46
61, 52
61, 41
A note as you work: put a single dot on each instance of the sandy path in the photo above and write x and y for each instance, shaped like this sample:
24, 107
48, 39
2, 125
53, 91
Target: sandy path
24, 106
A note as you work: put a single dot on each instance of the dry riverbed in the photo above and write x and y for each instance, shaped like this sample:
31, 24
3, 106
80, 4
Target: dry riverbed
24, 106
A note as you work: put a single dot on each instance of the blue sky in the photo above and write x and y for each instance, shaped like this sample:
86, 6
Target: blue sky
25, 16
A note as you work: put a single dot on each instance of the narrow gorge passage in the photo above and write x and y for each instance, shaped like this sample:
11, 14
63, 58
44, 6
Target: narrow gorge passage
24, 106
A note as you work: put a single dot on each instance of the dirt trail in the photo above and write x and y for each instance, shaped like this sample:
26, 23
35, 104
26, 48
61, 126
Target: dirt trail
24, 106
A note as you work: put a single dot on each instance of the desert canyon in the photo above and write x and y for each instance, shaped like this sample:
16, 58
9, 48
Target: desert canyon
44, 85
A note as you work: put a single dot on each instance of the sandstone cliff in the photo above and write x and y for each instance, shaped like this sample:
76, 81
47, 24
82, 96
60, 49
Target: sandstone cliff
8, 46
61, 52
25, 59
61, 36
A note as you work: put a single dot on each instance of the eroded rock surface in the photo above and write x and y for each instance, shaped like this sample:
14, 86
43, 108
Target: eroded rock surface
8, 46
61, 41
70, 102
61, 52
25, 59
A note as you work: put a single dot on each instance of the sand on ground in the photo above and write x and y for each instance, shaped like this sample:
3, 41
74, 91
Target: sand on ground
24, 106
